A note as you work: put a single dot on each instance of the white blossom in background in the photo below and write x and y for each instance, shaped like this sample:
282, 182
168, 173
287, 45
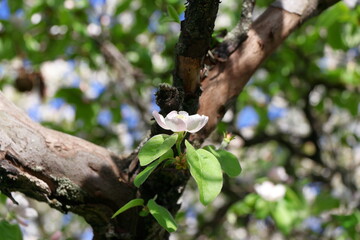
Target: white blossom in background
65, 113
181, 121
351, 3
229, 116
23, 210
160, 63
93, 29
126, 19
54, 73
293, 122
269, 191
125, 137
223, 21
310, 193
278, 174
58, 30
69, 4
36, 18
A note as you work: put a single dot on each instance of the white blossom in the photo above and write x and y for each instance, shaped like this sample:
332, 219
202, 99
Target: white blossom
181, 121
269, 191
23, 210
278, 174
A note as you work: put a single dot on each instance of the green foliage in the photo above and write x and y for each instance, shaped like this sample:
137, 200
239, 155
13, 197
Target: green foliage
229, 162
133, 203
173, 14
285, 215
143, 175
323, 202
155, 147
315, 72
162, 216
10, 231
350, 223
206, 170
2, 198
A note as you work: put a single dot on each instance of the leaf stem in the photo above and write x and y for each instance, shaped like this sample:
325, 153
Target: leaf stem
178, 142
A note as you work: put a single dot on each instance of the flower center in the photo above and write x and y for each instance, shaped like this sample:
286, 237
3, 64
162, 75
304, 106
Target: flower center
181, 116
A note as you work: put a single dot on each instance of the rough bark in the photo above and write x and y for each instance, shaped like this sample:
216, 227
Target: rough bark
227, 79
193, 44
66, 172
234, 38
71, 174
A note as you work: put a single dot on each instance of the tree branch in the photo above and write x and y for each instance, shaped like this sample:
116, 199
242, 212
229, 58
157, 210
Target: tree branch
66, 172
239, 34
194, 42
226, 80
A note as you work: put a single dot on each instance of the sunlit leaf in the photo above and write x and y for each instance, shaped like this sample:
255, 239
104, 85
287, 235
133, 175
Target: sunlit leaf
156, 147
143, 175
284, 216
133, 203
206, 170
162, 216
173, 13
228, 161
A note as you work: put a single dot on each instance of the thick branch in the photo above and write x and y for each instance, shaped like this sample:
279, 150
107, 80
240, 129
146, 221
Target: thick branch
66, 172
194, 42
234, 38
226, 80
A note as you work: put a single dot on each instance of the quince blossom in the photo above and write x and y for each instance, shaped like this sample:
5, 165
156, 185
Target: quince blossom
278, 174
181, 121
270, 192
23, 210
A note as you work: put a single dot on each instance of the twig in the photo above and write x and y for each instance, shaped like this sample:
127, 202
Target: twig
239, 34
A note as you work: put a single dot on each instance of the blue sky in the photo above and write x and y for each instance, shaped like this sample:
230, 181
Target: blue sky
4, 10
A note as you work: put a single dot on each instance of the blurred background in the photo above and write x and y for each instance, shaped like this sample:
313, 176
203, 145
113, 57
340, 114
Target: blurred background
90, 68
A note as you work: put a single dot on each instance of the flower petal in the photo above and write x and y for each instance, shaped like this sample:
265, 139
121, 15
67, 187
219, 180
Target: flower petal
175, 124
196, 122
183, 113
172, 114
160, 120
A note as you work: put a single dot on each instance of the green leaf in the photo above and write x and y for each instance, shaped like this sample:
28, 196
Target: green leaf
30, 43
324, 202
143, 175
347, 221
123, 6
228, 161
173, 13
350, 223
162, 216
166, 19
2, 198
10, 231
262, 208
284, 216
155, 147
144, 213
206, 170
133, 203
334, 37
